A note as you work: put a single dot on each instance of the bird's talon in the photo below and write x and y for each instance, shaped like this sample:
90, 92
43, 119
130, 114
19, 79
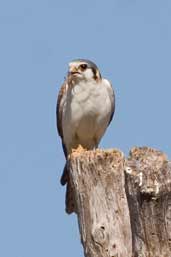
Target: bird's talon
79, 149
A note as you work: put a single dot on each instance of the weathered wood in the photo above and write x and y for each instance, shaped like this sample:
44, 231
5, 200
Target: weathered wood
148, 187
123, 205
101, 203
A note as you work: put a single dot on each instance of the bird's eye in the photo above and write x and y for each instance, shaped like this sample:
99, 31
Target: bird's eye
83, 67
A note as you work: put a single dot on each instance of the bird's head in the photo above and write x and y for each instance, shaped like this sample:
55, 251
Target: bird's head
81, 69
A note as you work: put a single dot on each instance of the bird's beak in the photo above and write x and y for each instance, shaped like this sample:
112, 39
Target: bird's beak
73, 70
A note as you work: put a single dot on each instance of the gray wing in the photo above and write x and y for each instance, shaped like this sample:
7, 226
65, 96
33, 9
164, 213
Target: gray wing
59, 112
59, 108
112, 98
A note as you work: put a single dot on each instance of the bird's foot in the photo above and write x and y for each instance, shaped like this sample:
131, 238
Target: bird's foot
79, 149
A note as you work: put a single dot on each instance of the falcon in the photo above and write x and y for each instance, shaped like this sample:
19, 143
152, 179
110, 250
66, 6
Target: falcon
85, 108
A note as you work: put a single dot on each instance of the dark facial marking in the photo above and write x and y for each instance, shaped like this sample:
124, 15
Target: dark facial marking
83, 67
94, 73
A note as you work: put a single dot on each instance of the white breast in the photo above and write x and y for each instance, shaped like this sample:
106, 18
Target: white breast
86, 114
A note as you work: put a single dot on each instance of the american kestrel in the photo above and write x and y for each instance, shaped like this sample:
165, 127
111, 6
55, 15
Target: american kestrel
85, 108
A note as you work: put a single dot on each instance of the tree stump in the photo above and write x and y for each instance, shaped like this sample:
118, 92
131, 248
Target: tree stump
148, 188
123, 205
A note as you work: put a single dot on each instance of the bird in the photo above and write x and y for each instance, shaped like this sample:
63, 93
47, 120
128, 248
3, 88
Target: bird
85, 108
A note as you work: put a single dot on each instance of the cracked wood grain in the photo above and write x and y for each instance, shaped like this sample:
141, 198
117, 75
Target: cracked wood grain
148, 188
101, 203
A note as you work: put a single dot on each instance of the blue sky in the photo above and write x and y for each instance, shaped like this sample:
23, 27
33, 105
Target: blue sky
130, 41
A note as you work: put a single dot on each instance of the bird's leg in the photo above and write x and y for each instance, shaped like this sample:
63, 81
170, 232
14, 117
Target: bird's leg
95, 144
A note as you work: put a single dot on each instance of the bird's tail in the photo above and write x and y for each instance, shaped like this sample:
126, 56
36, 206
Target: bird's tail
65, 175
69, 197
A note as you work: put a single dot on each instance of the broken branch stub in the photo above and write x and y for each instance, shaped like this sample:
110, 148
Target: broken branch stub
148, 188
97, 179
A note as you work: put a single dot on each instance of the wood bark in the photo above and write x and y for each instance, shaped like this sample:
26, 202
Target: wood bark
123, 204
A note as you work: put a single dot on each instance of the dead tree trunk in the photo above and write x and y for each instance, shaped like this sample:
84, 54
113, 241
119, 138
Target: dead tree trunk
123, 205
